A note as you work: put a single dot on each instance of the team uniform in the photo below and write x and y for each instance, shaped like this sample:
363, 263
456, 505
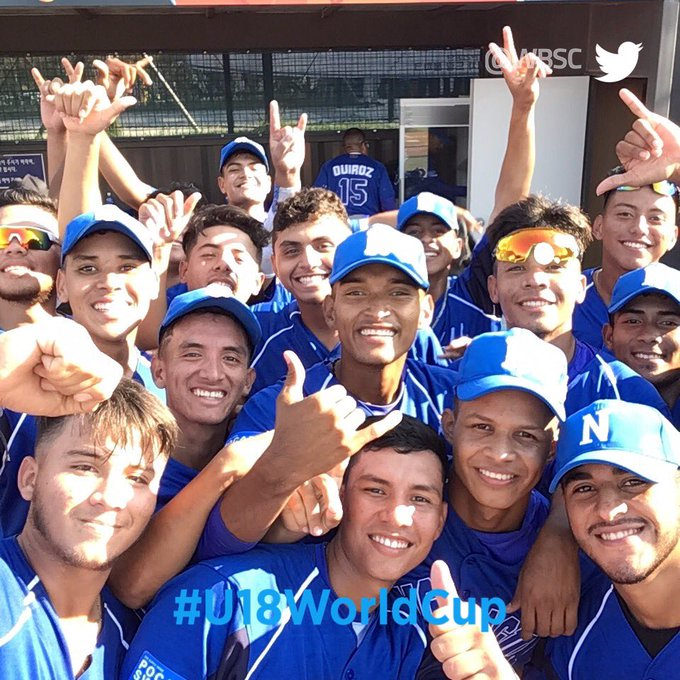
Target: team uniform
175, 477
240, 646
456, 316
609, 644
591, 315
286, 330
361, 182
485, 564
31, 641
21, 443
424, 394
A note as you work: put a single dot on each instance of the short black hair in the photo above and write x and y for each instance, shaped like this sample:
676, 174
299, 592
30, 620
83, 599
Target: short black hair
228, 215
21, 196
306, 205
409, 436
538, 211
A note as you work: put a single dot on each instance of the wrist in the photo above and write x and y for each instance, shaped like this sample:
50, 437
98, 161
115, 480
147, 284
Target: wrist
287, 179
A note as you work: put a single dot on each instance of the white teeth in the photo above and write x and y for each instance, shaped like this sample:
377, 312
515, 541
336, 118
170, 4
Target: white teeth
496, 475
431, 254
390, 542
535, 303
647, 356
638, 245
18, 270
108, 306
314, 278
380, 332
618, 535
208, 394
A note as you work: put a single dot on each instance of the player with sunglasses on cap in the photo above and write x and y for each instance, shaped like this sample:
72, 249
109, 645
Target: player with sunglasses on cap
637, 226
29, 257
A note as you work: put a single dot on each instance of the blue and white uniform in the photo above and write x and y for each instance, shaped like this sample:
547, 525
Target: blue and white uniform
591, 315
361, 182
238, 648
32, 644
175, 477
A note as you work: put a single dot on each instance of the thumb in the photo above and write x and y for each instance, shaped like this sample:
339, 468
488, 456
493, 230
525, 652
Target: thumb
121, 104
378, 429
191, 203
514, 604
440, 577
295, 378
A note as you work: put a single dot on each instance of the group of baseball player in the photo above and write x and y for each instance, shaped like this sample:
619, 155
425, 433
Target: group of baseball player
239, 439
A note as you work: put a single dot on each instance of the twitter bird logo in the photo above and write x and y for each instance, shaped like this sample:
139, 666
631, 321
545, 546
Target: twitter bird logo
617, 65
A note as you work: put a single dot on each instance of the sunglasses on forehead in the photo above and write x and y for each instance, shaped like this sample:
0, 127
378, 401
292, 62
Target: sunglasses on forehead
664, 188
547, 245
31, 238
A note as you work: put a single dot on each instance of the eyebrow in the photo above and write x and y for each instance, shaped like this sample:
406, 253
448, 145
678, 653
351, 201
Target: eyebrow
660, 312
399, 278
577, 476
199, 345
101, 455
93, 258
415, 487
479, 416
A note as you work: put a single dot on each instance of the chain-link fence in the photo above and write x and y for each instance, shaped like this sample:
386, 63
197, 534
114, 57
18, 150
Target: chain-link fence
229, 93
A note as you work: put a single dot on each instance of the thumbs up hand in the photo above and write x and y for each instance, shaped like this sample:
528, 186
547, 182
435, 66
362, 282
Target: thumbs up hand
464, 651
314, 434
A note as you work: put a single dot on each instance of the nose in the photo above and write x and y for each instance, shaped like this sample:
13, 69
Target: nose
15, 248
610, 505
399, 514
650, 333
312, 257
536, 278
111, 281
226, 261
114, 492
211, 369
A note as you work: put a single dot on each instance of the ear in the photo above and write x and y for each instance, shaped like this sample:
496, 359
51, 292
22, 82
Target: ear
608, 336
158, 371
274, 268
268, 183
673, 239
329, 311
250, 379
26, 477
221, 184
183, 266
581, 295
442, 518
426, 311
154, 285
62, 292
448, 423
598, 227
492, 285
258, 282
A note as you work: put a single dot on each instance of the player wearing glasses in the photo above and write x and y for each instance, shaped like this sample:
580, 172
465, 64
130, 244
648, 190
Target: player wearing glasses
29, 257
637, 227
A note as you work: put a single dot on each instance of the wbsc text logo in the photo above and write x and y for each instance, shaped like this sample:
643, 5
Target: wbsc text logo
557, 59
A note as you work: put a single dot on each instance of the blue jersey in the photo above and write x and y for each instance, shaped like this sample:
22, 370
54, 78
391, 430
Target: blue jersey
456, 316
21, 443
606, 647
285, 329
361, 182
276, 296
591, 315
606, 378
424, 394
175, 477
240, 646
31, 641
486, 564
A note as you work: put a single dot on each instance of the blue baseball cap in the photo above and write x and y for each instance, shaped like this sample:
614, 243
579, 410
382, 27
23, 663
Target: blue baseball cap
431, 204
106, 218
381, 244
213, 296
633, 437
246, 145
514, 360
655, 278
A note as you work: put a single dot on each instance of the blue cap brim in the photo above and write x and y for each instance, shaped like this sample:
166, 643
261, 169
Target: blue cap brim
473, 389
106, 226
228, 305
378, 259
646, 467
244, 147
636, 293
403, 219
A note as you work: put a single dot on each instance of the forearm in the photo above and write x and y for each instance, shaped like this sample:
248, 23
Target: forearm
56, 157
147, 336
80, 183
120, 175
514, 182
170, 540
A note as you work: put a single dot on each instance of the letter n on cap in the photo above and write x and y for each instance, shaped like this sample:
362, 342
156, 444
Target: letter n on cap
599, 428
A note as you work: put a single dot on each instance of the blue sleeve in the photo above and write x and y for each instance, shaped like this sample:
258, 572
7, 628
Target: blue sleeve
634, 388
322, 178
258, 415
216, 539
386, 191
189, 647
471, 284
427, 348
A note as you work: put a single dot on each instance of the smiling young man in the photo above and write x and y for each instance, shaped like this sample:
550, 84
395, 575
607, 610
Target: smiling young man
92, 488
637, 227
537, 281
644, 328
510, 392
29, 257
392, 494
618, 467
